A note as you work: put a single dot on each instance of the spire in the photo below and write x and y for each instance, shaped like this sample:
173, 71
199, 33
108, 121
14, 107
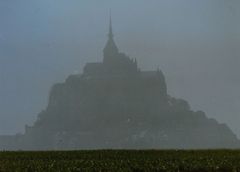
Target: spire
110, 34
110, 51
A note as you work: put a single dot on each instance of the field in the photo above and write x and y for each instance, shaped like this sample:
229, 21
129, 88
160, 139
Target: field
122, 160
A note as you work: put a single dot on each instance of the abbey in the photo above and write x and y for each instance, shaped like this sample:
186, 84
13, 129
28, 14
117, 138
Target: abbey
119, 70
114, 63
113, 104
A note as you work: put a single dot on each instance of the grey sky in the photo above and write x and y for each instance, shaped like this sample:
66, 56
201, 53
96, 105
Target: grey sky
195, 43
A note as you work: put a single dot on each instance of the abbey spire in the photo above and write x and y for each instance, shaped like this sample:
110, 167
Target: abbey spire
110, 49
110, 34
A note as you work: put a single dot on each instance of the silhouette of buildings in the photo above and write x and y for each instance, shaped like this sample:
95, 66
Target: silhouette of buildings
114, 63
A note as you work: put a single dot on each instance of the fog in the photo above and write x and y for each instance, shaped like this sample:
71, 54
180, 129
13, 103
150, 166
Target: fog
195, 43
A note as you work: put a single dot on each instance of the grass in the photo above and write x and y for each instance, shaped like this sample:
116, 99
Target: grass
122, 160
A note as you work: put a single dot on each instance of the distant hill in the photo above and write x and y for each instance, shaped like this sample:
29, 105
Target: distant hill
113, 104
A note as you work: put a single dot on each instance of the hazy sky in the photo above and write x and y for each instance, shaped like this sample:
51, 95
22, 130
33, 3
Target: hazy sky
196, 43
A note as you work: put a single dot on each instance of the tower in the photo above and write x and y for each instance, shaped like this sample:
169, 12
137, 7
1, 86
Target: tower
110, 50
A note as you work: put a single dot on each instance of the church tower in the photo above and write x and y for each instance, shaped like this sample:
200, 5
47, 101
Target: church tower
110, 51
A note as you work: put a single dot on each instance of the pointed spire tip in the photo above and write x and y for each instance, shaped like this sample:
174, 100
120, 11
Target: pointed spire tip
110, 34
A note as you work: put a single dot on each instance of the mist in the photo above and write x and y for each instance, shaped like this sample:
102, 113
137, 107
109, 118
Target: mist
195, 44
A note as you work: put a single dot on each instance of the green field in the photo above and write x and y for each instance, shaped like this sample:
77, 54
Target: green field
122, 160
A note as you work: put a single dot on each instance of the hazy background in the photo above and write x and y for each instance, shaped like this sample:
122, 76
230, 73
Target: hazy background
196, 43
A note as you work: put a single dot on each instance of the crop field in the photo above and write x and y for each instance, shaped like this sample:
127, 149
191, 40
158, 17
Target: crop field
122, 160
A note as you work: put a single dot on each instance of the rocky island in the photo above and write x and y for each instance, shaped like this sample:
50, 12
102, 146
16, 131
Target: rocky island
113, 104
